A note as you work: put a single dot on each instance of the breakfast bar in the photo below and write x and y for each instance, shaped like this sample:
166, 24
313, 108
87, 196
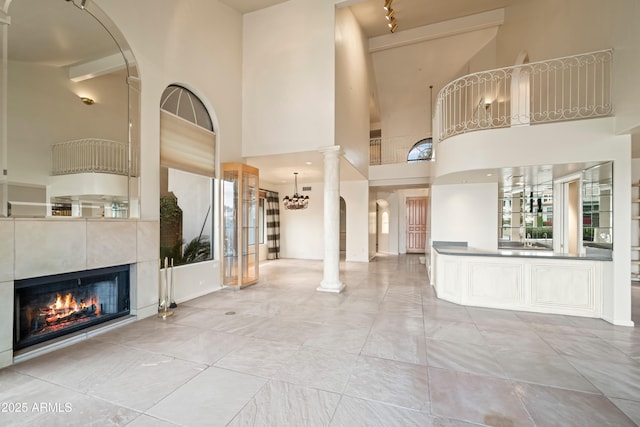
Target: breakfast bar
521, 279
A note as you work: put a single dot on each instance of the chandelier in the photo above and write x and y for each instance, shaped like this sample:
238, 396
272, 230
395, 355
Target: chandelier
296, 201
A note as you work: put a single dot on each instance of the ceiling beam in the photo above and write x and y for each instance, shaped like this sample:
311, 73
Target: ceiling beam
98, 67
448, 28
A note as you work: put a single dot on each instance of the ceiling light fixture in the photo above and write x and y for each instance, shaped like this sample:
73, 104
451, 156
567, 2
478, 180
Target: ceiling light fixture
390, 14
393, 26
296, 201
87, 100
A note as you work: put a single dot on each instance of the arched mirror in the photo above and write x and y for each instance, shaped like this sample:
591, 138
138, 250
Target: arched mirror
70, 145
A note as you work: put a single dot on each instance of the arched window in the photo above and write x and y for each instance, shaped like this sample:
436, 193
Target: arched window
187, 168
421, 150
185, 104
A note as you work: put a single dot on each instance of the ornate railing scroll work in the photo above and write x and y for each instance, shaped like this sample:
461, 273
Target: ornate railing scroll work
92, 155
569, 88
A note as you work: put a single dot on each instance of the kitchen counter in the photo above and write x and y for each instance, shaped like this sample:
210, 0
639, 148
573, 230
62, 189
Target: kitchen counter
532, 280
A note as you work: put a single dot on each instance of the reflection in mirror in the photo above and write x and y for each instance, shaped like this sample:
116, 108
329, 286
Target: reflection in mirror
597, 206
67, 141
526, 216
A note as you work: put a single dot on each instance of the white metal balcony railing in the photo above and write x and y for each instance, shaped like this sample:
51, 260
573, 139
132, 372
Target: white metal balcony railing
569, 88
383, 151
92, 155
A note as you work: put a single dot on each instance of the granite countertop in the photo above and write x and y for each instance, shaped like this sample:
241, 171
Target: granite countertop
520, 253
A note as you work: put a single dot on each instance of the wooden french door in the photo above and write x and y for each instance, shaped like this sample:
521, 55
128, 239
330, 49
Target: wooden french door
416, 224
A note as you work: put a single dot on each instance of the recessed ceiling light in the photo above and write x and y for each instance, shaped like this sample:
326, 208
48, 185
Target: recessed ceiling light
308, 163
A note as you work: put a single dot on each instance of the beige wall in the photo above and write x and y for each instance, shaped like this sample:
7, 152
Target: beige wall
44, 108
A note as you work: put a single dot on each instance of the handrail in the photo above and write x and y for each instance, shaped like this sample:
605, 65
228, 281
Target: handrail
91, 155
390, 150
568, 88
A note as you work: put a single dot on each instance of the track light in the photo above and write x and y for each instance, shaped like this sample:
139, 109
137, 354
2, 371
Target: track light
390, 15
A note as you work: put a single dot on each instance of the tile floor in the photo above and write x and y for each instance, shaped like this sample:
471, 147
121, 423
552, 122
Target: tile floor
384, 353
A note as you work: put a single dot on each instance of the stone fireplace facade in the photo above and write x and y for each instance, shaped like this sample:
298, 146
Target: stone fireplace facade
39, 247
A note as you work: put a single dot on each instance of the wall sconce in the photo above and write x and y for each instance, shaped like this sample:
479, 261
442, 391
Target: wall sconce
87, 100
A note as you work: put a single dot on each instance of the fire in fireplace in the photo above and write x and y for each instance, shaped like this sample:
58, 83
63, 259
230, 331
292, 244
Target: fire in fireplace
53, 306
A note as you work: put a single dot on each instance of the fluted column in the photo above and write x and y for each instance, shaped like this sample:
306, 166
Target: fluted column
331, 280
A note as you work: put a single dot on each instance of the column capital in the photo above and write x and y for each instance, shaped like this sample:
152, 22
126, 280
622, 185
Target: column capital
331, 149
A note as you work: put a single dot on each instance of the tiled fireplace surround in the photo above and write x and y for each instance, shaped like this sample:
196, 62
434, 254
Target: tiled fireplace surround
42, 247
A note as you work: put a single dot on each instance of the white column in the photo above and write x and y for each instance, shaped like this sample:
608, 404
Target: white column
331, 281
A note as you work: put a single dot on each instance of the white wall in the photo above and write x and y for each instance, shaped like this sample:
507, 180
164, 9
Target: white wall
301, 231
388, 202
550, 29
352, 90
372, 223
465, 213
356, 197
408, 118
183, 44
288, 78
556, 143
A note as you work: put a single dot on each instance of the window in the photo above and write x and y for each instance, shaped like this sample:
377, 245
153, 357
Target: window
187, 169
421, 150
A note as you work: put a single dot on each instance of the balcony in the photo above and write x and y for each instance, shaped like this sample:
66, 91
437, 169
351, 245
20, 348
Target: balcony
562, 89
92, 155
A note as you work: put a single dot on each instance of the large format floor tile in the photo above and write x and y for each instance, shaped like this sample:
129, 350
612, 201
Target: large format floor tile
384, 353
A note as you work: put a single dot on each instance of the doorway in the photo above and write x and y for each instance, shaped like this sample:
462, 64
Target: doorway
416, 224
343, 226
573, 217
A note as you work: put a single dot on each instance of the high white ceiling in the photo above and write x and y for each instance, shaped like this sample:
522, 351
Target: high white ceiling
371, 16
50, 35
408, 13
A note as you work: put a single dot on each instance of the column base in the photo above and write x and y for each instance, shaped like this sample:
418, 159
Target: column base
335, 288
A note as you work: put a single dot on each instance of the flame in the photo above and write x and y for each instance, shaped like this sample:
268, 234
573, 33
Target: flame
65, 307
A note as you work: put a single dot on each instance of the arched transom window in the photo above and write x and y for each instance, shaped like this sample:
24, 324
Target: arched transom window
421, 150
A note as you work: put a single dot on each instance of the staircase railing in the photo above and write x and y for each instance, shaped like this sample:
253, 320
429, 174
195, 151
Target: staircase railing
569, 88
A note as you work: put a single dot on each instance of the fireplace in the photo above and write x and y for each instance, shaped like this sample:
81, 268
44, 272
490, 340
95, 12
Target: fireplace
53, 306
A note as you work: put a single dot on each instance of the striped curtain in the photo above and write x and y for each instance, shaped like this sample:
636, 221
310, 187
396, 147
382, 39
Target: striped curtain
273, 225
